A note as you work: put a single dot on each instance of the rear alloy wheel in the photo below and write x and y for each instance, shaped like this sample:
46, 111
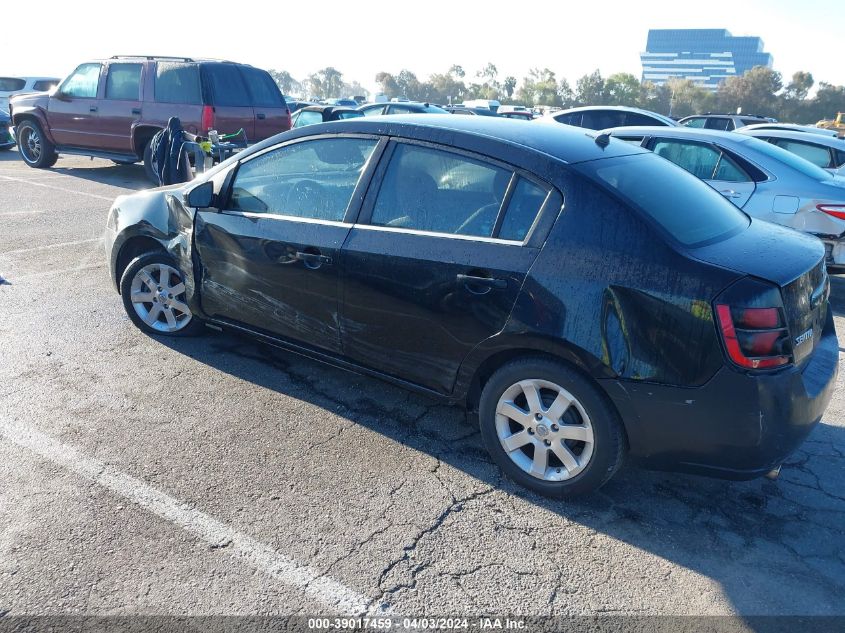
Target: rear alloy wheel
34, 147
549, 428
153, 292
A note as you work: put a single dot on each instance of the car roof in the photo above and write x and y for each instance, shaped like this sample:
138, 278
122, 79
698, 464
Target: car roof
806, 137
656, 115
565, 143
318, 107
692, 133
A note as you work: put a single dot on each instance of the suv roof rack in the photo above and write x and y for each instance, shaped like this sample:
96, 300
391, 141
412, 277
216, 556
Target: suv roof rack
152, 57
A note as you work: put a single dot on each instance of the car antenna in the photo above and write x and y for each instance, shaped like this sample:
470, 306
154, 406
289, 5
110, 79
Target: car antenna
602, 140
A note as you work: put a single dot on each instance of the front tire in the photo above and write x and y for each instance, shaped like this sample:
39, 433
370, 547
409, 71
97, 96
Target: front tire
153, 291
549, 428
35, 149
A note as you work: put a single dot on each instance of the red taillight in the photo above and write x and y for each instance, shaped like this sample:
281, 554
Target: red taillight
835, 210
290, 123
207, 122
754, 343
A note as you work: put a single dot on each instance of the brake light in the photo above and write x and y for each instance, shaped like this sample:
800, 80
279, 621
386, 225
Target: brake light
207, 121
835, 210
755, 338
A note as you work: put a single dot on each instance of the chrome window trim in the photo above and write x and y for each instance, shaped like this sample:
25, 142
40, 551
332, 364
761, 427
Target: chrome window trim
468, 238
288, 218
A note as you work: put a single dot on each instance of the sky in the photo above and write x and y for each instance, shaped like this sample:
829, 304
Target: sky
361, 39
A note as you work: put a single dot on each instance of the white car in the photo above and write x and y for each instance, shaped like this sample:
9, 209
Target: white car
788, 127
763, 180
827, 152
15, 85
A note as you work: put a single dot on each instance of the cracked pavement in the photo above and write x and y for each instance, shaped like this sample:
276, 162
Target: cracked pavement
383, 491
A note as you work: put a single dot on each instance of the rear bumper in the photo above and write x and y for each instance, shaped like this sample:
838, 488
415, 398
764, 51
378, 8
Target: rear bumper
738, 425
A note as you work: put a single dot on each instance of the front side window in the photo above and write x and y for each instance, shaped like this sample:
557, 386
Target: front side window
815, 154
691, 211
696, 122
124, 82
349, 114
83, 82
432, 190
703, 161
177, 83
307, 117
313, 179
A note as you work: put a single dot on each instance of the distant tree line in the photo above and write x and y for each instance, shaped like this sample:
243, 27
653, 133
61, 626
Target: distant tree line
759, 91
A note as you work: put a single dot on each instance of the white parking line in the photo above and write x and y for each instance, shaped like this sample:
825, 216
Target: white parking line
3, 215
242, 547
49, 246
41, 184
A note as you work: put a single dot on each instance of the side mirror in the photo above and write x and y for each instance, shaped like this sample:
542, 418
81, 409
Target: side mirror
200, 196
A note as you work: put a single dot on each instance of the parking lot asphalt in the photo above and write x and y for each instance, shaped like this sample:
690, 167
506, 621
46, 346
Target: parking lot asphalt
215, 475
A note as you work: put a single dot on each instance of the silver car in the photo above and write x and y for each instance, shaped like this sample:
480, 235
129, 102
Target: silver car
789, 127
827, 152
601, 117
763, 180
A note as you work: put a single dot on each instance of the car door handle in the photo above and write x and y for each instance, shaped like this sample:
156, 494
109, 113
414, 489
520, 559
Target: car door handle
730, 193
136, 110
261, 116
92, 109
484, 282
313, 260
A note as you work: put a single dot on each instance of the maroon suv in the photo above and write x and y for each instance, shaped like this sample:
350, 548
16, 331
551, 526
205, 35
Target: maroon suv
112, 108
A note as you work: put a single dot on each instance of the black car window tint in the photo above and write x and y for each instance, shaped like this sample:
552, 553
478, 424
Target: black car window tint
313, 179
264, 91
840, 158
10, 84
177, 83
44, 85
83, 82
124, 82
225, 85
699, 160
603, 119
687, 208
719, 123
636, 118
818, 155
432, 190
523, 207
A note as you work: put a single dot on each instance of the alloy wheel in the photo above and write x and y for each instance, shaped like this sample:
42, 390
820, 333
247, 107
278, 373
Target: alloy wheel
30, 143
544, 430
158, 297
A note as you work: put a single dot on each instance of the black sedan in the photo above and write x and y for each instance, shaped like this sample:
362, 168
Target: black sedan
7, 141
309, 115
587, 298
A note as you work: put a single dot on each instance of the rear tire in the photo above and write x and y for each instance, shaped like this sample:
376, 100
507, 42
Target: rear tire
35, 149
549, 428
148, 163
153, 291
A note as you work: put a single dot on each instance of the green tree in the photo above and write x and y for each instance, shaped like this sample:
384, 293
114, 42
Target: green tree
688, 98
800, 86
622, 89
457, 71
755, 92
590, 90
508, 86
287, 84
389, 87
409, 85
655, 98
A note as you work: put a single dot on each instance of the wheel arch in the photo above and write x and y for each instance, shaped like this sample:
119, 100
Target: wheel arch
133, 247
141, 134
38, 117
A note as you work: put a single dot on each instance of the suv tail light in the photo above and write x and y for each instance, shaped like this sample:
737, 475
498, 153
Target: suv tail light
207, 120
751, 321
835, 210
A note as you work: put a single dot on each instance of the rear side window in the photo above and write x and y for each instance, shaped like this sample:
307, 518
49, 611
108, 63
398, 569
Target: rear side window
265, 93
373, 111
719, 123
308, 117
573, 118
10, 84
750, 121
524, 205
177, 83
124, 82
703, 161
225, 85
635, 118
688, 209
45, 84
432, 190
602, 119
815, 154
788, 158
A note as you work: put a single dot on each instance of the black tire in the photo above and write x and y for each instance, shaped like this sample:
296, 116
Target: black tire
35, 149
124, 162
191, 326
148, 163
609, 440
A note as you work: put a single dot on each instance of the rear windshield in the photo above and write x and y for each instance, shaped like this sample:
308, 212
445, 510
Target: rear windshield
9, 84
264, 91
225, 85
177, 83
688, 209
792, 160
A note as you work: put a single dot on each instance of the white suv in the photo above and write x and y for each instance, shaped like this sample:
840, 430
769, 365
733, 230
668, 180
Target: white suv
14, 85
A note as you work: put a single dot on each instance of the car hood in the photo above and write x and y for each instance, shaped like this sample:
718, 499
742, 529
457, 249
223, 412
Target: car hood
765, 250
29, 99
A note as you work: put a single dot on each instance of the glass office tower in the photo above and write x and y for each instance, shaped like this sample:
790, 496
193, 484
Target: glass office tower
705, 56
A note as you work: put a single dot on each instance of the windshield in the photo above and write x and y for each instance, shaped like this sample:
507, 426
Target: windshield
792, 160
688, 209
